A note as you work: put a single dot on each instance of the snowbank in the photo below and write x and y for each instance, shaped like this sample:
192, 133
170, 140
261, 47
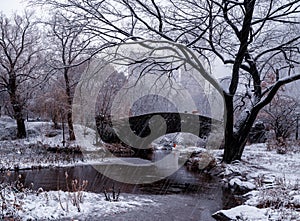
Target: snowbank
243, 212
57, 205
273, 179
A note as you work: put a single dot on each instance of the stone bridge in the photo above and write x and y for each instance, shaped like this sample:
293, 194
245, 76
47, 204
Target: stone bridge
140, 131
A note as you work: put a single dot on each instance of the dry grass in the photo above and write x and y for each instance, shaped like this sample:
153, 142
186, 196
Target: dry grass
11, 198
75, 193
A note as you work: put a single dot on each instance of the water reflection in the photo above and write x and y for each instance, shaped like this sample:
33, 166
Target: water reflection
54, 178
188, 187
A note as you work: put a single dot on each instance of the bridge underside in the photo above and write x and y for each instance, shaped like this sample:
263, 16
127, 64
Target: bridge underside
140, 131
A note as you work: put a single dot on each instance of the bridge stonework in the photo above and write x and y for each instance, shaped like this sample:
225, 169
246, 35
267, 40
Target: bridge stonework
141, 126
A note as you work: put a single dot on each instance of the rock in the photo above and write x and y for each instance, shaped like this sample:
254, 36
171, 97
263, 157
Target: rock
241, 186
217, 171
201, 161
51, 133
207, 161
183, 139
252, 198
296, 201
243, 212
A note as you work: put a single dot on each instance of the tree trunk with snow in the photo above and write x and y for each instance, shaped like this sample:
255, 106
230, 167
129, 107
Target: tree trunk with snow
16, 105
69, 100
18, 115
236, 136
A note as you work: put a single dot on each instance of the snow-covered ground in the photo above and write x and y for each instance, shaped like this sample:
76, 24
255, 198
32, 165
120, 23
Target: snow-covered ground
270, 179
273, 182
33, 151
59, 205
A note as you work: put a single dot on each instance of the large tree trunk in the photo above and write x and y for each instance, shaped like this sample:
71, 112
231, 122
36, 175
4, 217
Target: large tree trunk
21, 130
233, 150
70, 125
17, 107
18, 115
230, 147
69, 100
236, 136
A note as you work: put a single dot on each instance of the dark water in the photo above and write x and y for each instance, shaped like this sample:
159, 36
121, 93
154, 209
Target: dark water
182, 181
186, 195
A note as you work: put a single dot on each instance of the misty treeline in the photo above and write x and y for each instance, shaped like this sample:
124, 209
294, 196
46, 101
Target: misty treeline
255, 40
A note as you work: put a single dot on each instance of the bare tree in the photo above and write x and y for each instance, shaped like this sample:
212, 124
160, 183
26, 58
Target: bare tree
105, 99
108, 92
70, 47
252, 37
51, 101
19, 63
281, 115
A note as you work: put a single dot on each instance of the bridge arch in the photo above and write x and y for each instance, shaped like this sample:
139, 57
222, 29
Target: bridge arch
141, 126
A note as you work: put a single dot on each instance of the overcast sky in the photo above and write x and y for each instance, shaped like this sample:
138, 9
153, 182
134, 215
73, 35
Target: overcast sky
8, 6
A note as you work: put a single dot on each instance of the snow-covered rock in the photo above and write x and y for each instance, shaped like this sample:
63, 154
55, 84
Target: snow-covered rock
253, 198
202, 161
51, 133
184, 139
276, 178
243, 212
296, 200
242, 186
